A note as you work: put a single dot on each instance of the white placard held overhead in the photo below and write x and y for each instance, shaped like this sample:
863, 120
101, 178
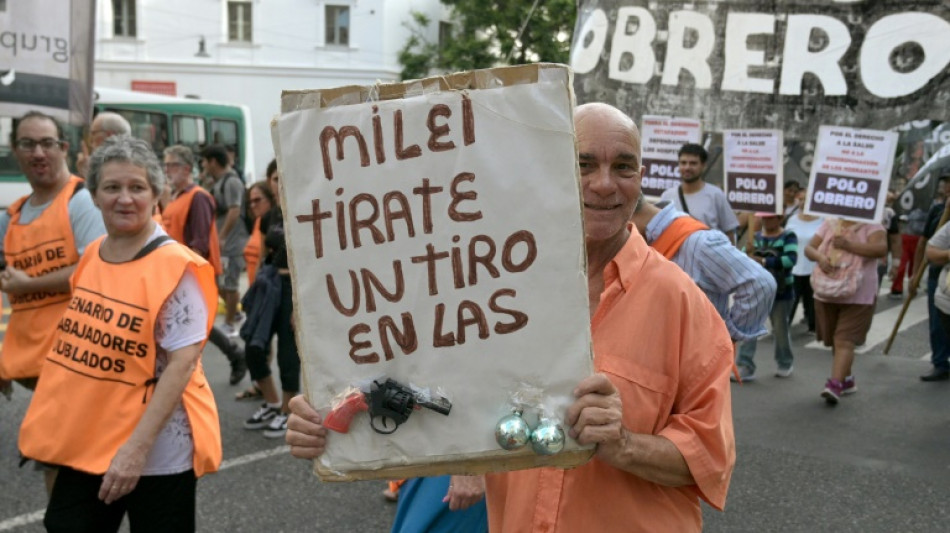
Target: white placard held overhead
753, 170
850, 173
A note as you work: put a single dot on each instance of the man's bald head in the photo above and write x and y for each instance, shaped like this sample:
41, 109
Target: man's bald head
107, 124
605, 114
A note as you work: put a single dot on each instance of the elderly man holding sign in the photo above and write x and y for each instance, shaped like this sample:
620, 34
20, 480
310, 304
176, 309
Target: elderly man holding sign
658, 409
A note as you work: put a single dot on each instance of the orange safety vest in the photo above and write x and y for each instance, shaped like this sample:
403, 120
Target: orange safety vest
175, 217
100, 372
252, 251
44, 245
673, 237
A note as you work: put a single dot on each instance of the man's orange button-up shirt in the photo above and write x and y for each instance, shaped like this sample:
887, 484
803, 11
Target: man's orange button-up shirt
663, 345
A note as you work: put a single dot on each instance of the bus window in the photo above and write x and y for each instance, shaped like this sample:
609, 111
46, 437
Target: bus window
189, 131
225, 132
150, 127
8, 163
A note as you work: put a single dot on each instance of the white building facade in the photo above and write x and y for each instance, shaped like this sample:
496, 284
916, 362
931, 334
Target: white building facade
247, 51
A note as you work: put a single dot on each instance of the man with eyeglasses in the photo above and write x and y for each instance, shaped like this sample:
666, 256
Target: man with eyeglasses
189, 219
43, 235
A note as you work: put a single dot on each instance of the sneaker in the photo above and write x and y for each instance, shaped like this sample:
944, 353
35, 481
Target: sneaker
783, 372
832, 392
229, 330
936, 374
277, 427
262, 417
896, 295
746, 374
849, 386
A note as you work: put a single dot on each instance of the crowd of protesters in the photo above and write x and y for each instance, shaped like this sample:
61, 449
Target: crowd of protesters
166, 239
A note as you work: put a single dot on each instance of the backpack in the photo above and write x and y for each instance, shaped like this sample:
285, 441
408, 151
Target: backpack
246, 218
846, 278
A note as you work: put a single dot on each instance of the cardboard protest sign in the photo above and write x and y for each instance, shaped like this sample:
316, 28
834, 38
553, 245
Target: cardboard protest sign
850, 173
662, 139
753, 169
435, 237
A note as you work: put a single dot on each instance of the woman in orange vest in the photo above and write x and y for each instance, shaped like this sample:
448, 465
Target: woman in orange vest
124, 408
260, 200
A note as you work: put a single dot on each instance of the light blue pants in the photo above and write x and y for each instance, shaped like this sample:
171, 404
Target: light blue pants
780, 332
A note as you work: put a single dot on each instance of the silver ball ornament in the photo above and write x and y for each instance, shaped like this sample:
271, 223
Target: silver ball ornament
547, 438
512, 432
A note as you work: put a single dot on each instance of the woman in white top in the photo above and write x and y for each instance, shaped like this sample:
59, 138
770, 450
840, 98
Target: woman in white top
804, 227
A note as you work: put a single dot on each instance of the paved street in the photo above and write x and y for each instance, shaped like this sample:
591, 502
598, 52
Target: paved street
877, 462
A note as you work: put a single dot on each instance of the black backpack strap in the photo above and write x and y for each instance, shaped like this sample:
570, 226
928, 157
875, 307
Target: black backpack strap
79, 186
789, 215
683, 200
150, 247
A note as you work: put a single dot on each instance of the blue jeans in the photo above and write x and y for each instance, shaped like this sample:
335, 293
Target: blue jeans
940, 356
780, 332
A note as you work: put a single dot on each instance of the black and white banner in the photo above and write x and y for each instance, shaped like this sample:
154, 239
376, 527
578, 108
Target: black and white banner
788, 64
921, 189
46, 58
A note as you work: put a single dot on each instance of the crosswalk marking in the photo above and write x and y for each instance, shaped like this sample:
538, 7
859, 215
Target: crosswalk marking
37, 516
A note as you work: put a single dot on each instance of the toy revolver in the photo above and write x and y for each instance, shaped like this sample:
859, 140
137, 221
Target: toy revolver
389, 404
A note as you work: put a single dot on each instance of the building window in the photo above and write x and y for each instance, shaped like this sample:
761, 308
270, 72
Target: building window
123, 12
239, 22
338, 25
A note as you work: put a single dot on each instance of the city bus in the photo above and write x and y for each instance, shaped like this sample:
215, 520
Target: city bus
160, 120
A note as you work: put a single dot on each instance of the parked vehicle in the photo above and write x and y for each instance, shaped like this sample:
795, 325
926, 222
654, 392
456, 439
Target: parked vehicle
159, 120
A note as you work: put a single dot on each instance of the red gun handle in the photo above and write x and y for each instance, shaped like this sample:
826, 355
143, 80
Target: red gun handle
339, 418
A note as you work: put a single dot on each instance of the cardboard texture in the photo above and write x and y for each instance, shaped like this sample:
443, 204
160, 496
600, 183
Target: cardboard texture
435, 237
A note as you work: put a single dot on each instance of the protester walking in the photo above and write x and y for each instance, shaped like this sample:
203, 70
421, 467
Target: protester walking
131, 348
228, 192
269, 304
776, 249
939, 340
804, 226
189, 219
260, 200
845, 285
56, 221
